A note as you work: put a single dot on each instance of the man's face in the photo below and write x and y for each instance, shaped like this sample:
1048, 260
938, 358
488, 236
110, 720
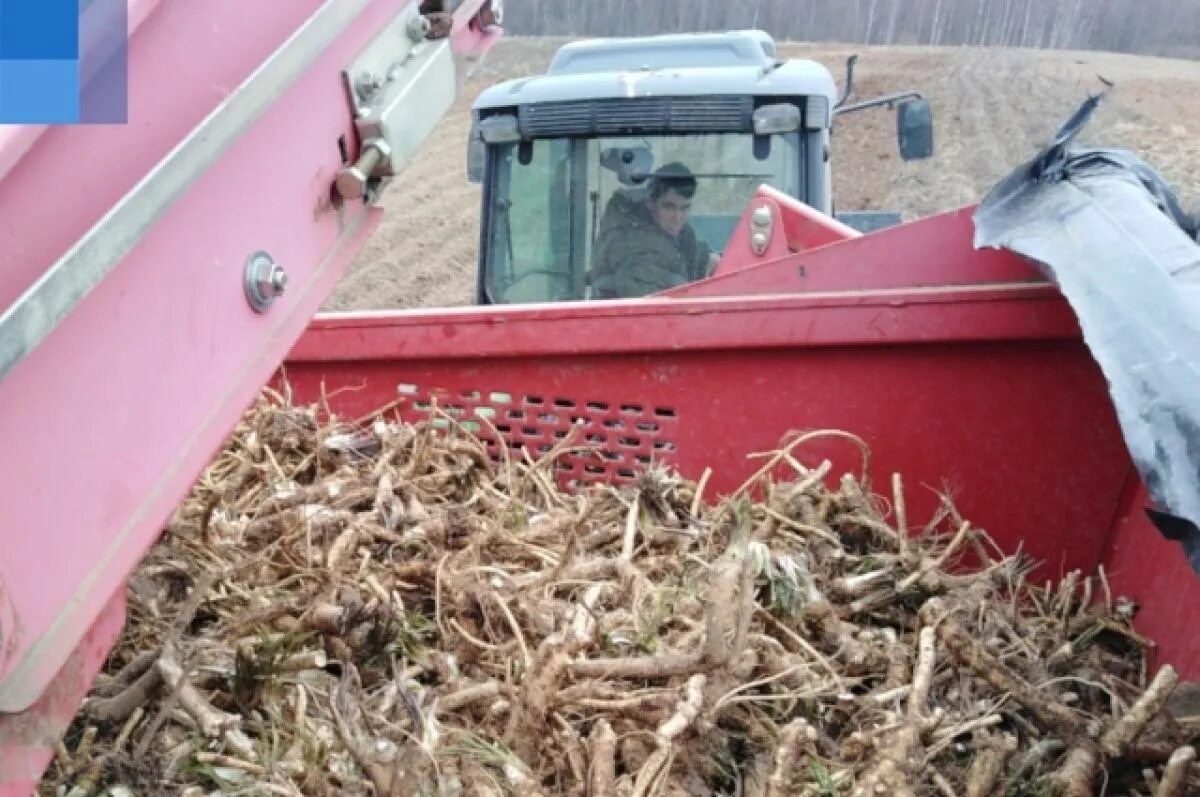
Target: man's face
670, 211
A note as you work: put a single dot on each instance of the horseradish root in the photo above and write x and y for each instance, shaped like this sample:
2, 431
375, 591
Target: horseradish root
383, 608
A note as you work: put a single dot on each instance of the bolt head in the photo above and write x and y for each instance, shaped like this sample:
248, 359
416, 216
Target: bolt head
367, 85
759, 240
351, 183
264, 281
272, 281
279, 279
761, 216
418, 29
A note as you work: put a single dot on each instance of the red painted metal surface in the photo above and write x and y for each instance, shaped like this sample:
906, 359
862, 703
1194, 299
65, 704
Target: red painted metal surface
165, 354
16, 140
929, 252
981, 313
1142, 564
129, 357
795, 227
963, 390
172, 88
805, 227
159, 362
987, 394
28, 739
983, 390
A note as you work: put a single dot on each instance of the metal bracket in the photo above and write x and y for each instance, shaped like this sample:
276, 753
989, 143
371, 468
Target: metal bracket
400, 86
89, 261
888, 100
762, 222
491, 16
265, 281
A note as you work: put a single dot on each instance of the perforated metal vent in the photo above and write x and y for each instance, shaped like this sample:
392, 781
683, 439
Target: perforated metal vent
614, 440
634, 115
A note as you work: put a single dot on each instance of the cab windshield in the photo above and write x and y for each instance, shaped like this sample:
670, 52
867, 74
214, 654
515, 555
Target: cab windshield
551, 202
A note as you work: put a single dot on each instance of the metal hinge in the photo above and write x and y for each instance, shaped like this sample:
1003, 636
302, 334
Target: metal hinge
60, 289
400, 85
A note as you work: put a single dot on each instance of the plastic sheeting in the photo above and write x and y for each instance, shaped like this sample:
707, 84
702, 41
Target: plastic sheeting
1107, 230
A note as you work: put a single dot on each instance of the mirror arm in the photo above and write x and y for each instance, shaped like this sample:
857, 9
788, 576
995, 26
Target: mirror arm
889, 100
849, 82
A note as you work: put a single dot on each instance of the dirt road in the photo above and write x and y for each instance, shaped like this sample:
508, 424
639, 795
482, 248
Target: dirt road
992, 109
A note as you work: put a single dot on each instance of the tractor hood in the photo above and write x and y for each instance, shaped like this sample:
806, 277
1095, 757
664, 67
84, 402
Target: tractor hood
733, 64
795, 78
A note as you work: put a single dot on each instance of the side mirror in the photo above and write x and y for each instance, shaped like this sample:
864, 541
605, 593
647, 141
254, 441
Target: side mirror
914, 124
500, 129
476, 157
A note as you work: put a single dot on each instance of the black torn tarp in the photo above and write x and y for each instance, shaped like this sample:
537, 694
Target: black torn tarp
1109, 233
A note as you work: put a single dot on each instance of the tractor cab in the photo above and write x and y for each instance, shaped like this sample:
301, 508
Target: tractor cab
563, 155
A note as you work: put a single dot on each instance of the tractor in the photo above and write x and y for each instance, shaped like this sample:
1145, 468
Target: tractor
552, 151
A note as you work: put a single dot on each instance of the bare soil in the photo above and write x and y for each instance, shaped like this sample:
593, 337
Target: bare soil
993, 108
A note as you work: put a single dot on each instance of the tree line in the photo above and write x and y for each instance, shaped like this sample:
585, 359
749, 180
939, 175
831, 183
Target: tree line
1151, 27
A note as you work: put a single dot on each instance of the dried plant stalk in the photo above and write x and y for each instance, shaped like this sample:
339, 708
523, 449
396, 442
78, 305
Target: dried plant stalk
372, 607
1174, 781
1125, 731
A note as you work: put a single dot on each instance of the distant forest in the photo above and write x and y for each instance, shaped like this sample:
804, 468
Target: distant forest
1151, 27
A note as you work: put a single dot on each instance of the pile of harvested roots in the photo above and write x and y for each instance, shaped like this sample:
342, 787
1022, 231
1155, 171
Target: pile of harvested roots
379, 608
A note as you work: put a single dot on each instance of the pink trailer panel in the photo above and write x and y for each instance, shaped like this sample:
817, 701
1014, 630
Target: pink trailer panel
239, 123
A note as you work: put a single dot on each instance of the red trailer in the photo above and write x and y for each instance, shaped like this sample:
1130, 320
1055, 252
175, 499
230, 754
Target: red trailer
964, 370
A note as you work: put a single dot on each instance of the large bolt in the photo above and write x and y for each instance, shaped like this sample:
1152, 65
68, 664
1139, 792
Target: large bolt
265, 281
351, 182
418, 29
277, 280
761, 216
368, 85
